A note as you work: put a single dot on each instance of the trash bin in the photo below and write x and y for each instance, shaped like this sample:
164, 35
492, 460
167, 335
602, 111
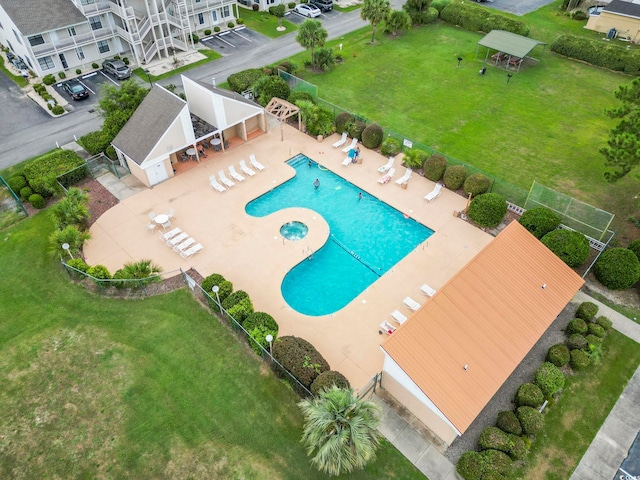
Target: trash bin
612, 33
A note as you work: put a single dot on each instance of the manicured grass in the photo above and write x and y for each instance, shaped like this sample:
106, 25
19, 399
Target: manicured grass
92, 387
545, 125
347, 9
210, 54
572, 423
17, 79
266, 24
629, 312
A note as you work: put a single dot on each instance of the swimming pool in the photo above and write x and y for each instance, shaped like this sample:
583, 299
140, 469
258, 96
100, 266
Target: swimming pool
367, 237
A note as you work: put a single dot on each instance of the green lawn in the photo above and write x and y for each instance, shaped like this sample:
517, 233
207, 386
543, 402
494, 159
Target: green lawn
210, 54
149, 388
266, 24
546, 124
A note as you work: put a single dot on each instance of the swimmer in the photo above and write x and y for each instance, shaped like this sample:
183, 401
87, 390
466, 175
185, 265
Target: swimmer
360, 196
316, 183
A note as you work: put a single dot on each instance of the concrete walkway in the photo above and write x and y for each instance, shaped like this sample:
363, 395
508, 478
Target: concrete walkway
614, 439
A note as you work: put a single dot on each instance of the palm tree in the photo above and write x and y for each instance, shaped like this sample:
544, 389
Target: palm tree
340, 430
375, 11
311, 35
72, 210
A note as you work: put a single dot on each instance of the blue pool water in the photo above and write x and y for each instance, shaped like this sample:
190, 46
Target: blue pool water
367, 238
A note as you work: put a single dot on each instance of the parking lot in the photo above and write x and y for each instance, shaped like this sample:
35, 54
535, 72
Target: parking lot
234, 40
93, 82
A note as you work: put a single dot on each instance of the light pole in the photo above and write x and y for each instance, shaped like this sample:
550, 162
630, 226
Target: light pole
66, 248
146, 70
215, 289
269, 338
459, 60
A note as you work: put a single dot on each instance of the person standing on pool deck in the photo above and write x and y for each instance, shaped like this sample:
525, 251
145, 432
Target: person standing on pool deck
316, 183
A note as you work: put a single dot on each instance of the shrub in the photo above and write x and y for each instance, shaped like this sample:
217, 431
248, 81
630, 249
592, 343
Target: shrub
578, 15
508, 422
41, 173
297, 96
415, 158
78, 264
495, 439
488, 209
57, 110
617, 269
234, 299
454, 176
596, 52
577, 325
255, 7
231, 24
587, 311
207, 32
241, 310
549, 378
372, 136
471, 465
195, 38
440, 4
530, 395
356, 129
95, 66
476, 184
604, 322
517, 448
570, 246
267, 87
327, 379
100, 272
291, 5
62, 75
300, 358
49, 79
435, 167
579, 359
25, 193
539, 221
558, 354
481, 20
95, 142
17, 183
343, 120
243, 80
78, 71
217, 29
390, 147
635, 248
36, 201
593, 340
226, 287
317, 120
531, 420
496, 462
577, 341
259, 325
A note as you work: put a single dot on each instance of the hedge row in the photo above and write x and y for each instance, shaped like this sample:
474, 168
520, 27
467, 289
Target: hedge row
41, 173
480, 19
599, 53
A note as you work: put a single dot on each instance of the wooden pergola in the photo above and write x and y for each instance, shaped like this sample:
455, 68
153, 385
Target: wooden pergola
281, 109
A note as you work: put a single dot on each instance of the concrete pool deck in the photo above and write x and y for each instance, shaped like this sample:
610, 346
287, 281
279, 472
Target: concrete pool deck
250, 252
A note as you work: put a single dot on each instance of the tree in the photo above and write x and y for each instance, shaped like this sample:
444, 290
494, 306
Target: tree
72, 210
340, 430
311, 35
375, 11
268, 87
623, 147
116, 106
278, 11
417, 10
398, 20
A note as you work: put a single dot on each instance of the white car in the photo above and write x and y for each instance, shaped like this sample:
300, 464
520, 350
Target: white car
307, 10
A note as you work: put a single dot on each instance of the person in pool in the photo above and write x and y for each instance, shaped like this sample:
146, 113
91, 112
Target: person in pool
316, 183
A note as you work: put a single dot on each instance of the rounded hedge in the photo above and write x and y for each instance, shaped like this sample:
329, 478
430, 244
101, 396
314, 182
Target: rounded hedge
635, 248
529, 394
593, 340
297, 96
225, 287
617, 269
36, 201
243, 80
579, 359
435, 167
471, 465
496, 462
488, 209
390, 147
572, 247
260, 319
17, 183
558, 354
372, 136
241, 309
517, 448
100, 272
343, 120
597, 330
356, 129
539, 221
233, 299
509, 423
327, 379
300, 358
577, 341
25, 192
532, 420
549, 378
78, 264
587, 311
577, 325
454, 176
495, 439
604, 322
476, 184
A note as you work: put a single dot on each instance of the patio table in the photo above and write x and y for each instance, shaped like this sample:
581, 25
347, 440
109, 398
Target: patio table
162, 218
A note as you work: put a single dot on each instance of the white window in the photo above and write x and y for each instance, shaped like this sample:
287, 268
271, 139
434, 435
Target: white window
214, 16
103, 46
201, 18
72, 31
96, 23
46, 63
80, 53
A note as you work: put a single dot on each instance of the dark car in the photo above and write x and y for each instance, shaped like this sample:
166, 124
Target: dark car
323, 5
117, 68
75, 89
18, 63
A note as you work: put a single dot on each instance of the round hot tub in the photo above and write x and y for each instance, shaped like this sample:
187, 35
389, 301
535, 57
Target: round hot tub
294, 230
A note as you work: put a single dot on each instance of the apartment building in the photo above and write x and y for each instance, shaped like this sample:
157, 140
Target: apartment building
58, 35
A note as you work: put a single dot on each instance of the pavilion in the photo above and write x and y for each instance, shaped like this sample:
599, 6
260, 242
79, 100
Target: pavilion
510, 48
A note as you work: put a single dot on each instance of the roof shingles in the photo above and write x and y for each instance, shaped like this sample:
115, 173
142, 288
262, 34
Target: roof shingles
35, 16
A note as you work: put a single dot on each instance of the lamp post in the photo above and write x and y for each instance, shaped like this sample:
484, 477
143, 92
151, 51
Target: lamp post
66, 248
146, 70
215, 289
459, 60
269, 338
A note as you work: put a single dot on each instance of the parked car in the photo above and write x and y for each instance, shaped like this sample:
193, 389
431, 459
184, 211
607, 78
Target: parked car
323, 5
307, 10
75, 89
18, 63
117, 68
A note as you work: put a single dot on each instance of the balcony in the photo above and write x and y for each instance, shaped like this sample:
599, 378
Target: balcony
73, 41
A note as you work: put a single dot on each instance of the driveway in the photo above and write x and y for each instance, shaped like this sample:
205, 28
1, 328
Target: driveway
519, 7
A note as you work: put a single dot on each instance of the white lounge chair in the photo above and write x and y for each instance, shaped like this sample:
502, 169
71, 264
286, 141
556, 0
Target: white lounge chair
224, 179
404, 179
181, 247
197, 248
385, 168
398, 317
353, 144
213, 181
255, 163
342, 141
235, 175
386, 327
387, 177
411, 303
246, 170
166, 236
181, 237
427, 290
347, 161
433, 194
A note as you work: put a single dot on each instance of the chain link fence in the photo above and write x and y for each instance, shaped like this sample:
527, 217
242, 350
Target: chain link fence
11, 208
